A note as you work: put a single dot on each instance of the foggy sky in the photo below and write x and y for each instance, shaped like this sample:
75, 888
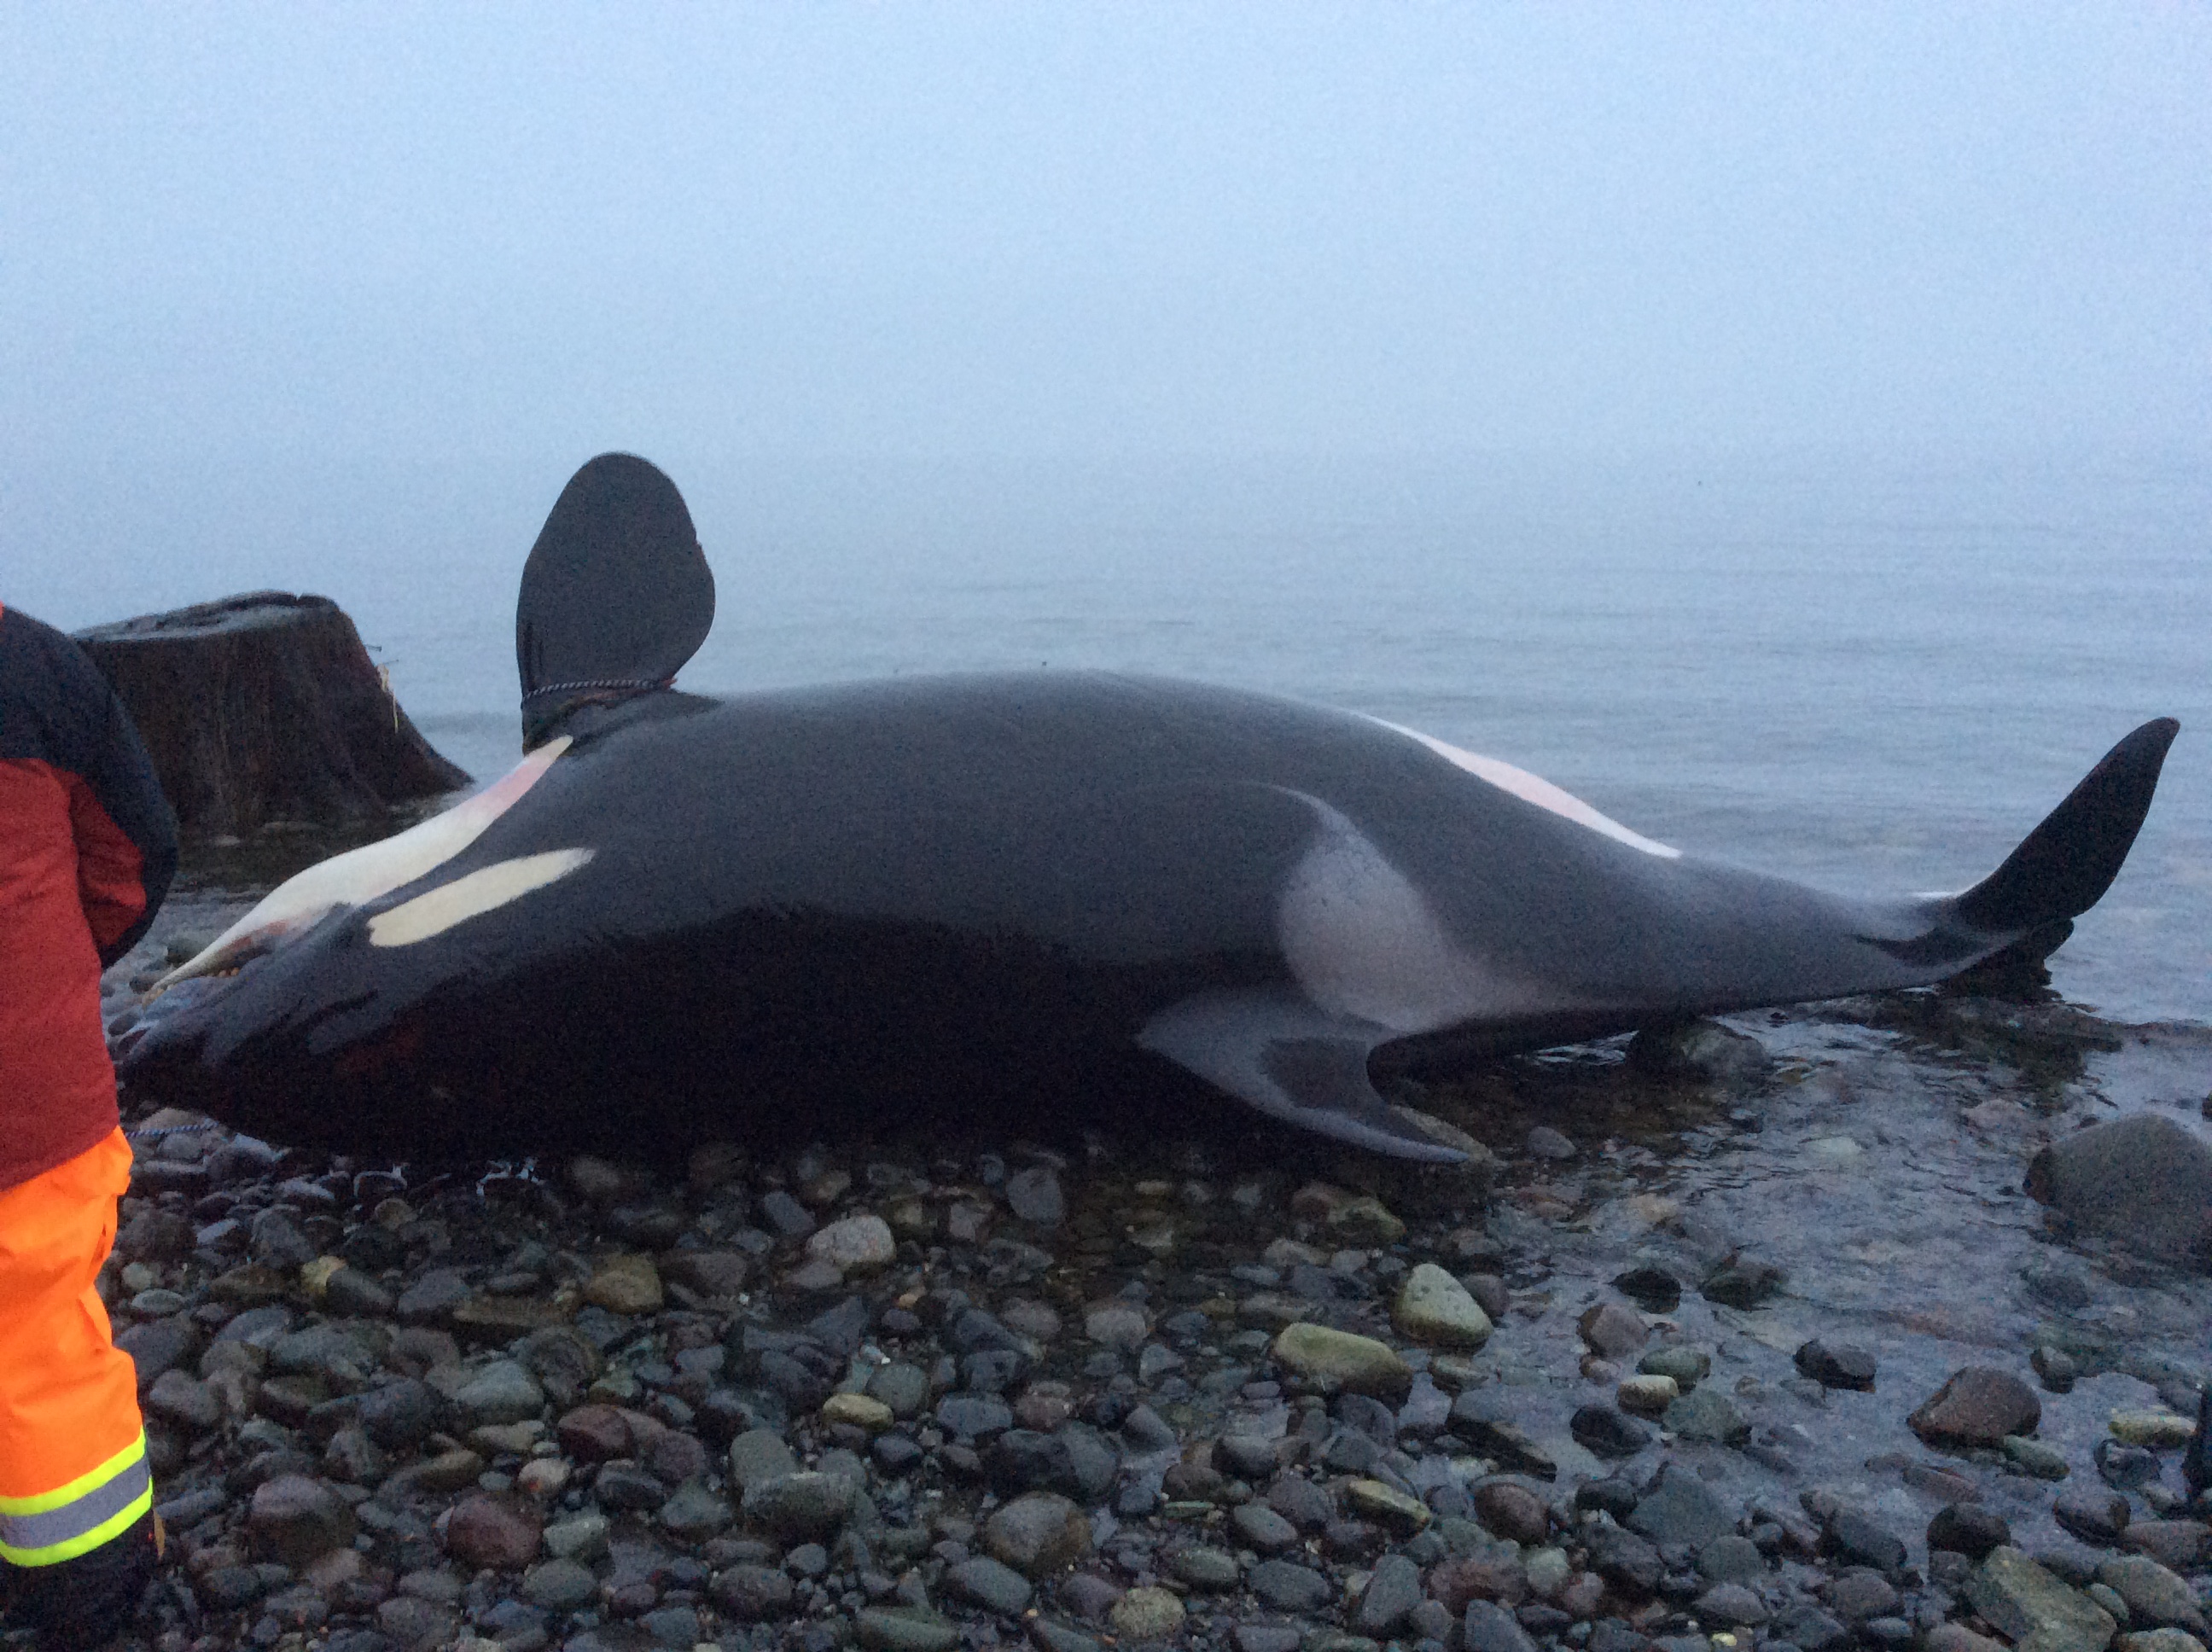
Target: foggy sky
231, 233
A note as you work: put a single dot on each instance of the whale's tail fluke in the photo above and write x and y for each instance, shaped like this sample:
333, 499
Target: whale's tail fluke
617, 594
2063, 866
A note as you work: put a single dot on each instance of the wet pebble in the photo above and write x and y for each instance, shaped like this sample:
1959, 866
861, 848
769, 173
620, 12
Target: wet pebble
1038, 1534
1034, 1196
1612, 1330
1434, 1308
2095, 1513
1343, 1359
1147, 1614
1976, 1405
1835, 1365
1604, 1432
990, 1584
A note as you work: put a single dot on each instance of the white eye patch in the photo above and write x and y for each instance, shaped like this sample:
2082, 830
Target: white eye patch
360, 875
485, 889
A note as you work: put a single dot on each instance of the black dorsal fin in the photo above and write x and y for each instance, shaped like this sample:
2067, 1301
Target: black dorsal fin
2063, 866
617, 594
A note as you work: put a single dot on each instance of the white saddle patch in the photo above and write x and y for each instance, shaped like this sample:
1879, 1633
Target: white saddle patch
1363, 942
485, 889
1534, 788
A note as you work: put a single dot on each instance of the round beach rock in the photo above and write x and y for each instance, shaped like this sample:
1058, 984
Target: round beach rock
1977, 1406
1038, 1534
1434, 1308
1344, 1360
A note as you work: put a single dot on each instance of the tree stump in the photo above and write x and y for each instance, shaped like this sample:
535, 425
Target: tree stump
266, 707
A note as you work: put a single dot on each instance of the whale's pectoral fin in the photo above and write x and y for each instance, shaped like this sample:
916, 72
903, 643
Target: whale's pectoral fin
1276, 1052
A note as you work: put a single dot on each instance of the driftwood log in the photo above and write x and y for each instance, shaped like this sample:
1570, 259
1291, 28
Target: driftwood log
266, 707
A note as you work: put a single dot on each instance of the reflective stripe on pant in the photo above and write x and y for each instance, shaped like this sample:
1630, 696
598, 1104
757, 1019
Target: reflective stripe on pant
72, 1446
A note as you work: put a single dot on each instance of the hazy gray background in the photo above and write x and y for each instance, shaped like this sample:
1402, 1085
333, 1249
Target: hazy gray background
238, 235
1789, 426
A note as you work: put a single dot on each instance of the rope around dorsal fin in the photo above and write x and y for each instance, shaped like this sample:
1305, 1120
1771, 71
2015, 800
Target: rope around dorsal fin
590, 682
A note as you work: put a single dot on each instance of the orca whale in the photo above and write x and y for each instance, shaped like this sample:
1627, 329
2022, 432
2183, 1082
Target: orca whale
681, 918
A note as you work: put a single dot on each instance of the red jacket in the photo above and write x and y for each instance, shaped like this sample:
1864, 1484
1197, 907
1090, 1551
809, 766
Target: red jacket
88, 845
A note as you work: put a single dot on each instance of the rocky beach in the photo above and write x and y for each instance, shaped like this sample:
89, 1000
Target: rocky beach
1874, 1323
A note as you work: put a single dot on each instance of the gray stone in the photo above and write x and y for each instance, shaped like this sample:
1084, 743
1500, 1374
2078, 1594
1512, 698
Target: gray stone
2034, 1610
581, 1537
758, 1454
1088, 1595
1393, 1591
1434, 1308
1978, 1405
1258, 1527
416, 1624
1623, 1559
2178, 1544
1038, 1534
2154, 1595
984, 1581
185, 1400
1612, 1330
1835, 1365
901, 1628
1342, 1359
433, 1296
560, 1585
492, 1532
2095, 1513
676, 1627
1860, 1539
1604, 1432
1703, 1051
1744, 1283
1489, 1627
1688, 1366
1288, 1587
904, 1388
159, 1345
2144, 1180
1732, 1604
502, 1392
294, 1520
1730, 1559
973, 1415
1512, 1511
1147, 1614
753, 1593
857, 1244
800, 1507
1204, 1568
2034, 1457
1034, 1195
1307, 1506
1680, 1508
1968, 1530
694, 1513
2161, 1640
1858, 1596
401, 1415
1705, 1413
1049, 1636
1809, 1629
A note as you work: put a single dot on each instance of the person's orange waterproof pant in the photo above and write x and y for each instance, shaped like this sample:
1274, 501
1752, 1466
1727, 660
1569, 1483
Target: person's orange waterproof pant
72, 1445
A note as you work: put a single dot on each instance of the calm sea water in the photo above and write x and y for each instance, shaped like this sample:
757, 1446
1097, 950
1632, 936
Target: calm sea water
1870, 676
